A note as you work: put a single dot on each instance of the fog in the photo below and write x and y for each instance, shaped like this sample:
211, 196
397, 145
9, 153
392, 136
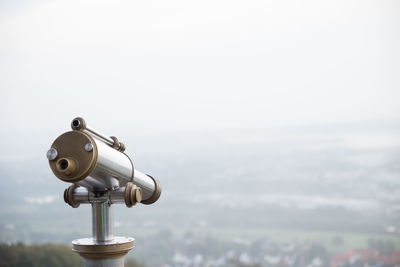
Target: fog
197, 65
256, 116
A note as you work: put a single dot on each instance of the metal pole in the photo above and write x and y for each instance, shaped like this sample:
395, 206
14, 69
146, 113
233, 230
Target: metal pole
102, 234
102, 222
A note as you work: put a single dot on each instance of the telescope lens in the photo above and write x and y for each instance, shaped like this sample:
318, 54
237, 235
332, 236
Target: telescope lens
76, 123
63, 164
66, 166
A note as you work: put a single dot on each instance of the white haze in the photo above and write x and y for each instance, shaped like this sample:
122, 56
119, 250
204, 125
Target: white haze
188, 65
288, 105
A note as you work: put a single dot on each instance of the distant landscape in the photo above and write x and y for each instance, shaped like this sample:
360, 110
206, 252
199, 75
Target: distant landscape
233, 198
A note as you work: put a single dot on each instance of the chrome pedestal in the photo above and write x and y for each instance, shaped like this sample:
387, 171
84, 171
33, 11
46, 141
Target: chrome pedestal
103, 249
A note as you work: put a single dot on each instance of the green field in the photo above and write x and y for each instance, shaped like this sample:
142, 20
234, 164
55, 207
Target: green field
349, 240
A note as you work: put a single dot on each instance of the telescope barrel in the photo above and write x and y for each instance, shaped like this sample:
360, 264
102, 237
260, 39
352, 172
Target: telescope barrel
151, 189
92, 160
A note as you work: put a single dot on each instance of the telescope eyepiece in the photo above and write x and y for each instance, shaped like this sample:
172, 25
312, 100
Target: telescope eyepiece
66, 166
78, 124
63, 164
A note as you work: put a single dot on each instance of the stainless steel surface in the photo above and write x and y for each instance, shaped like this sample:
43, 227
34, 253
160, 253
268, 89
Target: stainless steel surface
83, 196
102, 222
113, 169
145, 183
93, 183
99, 135
52, 154
91, 242
112, 262
117, 196
89, 147
113, 163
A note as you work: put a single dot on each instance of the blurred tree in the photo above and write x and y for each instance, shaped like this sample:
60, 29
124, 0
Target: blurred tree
38, 255
47, 255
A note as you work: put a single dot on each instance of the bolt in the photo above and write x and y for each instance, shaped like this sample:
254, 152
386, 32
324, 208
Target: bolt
89, 147
52, 154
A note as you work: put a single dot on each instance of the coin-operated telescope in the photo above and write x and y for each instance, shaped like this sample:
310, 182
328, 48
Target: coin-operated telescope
101, 175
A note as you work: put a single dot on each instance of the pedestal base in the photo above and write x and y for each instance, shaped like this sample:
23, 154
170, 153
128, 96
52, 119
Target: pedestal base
104, 254
117, 262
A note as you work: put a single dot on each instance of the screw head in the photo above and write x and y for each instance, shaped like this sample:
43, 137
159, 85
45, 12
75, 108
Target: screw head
89, 147
52, 154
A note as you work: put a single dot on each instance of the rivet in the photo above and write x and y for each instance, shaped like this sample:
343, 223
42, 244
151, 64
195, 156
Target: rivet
89, 147
52, 154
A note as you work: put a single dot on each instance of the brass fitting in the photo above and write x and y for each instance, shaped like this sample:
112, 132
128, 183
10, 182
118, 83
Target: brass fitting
73, 163
156, 195
133, 195
78, 124
68, 196
117, 144
66, 166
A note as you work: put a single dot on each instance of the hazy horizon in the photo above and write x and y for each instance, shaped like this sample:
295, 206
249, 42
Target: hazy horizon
276, 121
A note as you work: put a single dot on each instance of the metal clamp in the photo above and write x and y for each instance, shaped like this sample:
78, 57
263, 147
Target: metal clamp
79, 124
130, 195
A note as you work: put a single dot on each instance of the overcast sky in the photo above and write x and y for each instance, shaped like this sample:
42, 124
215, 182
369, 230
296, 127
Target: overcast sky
188, 65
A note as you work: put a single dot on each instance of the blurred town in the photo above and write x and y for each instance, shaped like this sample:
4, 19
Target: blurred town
309, 197
195, 253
